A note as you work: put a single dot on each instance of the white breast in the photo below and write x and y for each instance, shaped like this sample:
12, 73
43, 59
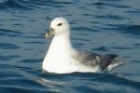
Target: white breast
58, 58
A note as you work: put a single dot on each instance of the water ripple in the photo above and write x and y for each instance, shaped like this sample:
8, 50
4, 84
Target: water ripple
92, 82
16, 4
8, 46
130, 29
109, 17
102, 48
6, 32
8, 57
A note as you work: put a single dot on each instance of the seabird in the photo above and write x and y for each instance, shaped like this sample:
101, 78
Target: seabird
62, 58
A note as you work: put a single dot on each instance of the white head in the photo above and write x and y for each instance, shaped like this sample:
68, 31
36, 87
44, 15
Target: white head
58, 26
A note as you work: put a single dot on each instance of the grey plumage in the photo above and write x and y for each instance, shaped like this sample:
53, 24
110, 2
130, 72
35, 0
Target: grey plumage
93, 59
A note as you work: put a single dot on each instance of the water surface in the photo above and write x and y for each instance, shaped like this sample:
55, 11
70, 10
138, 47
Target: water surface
103, 26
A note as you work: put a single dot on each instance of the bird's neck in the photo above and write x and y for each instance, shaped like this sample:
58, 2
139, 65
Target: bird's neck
61, 45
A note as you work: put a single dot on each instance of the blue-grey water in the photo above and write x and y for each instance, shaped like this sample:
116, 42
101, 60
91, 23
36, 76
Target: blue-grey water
102, 26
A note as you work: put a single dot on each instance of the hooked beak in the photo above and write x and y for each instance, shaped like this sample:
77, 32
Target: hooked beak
50, 33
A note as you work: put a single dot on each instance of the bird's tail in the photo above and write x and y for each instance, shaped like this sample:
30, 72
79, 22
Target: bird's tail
115, 63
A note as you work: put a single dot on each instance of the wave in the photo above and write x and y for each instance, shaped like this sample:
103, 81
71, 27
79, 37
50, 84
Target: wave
130, 29
29, 4
17, 4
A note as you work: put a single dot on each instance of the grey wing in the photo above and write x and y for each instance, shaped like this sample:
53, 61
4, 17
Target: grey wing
88, 58
93, 59
106, 60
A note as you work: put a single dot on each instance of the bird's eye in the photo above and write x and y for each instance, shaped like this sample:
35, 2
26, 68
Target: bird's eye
59, 24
